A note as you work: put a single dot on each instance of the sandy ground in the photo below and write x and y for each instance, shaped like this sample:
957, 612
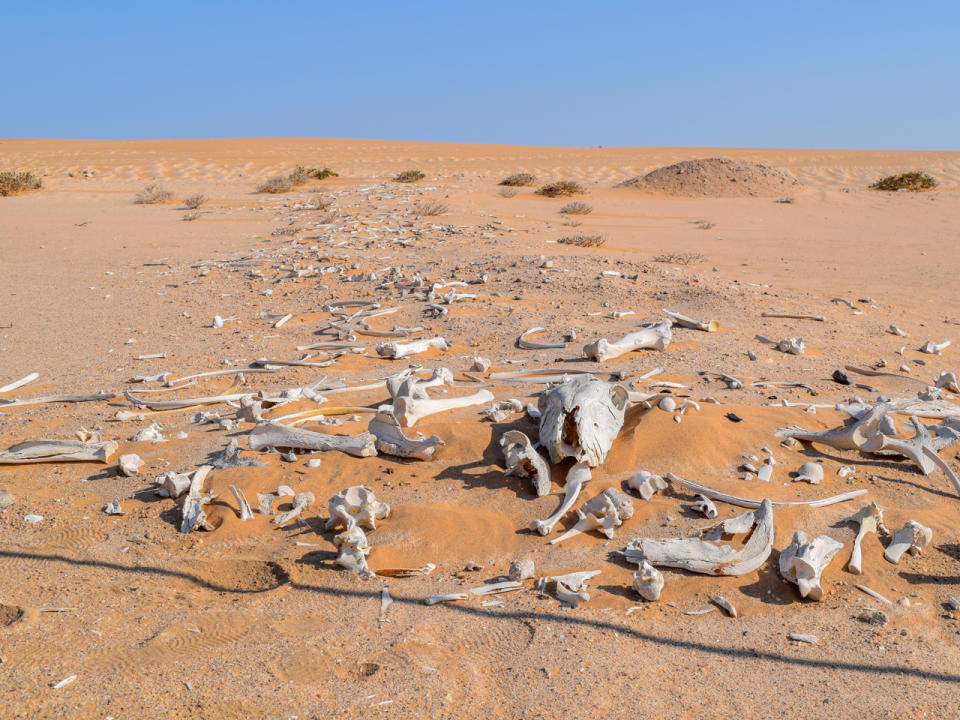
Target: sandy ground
252, 620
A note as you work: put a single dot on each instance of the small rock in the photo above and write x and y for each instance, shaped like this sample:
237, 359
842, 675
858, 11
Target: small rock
33, 519
841, 377
521, 570
313, 463
874, 617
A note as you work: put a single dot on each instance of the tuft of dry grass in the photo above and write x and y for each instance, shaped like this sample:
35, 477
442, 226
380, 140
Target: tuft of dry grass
321, 203
704, 224
276, 184
508, 192
583, 240
916, 181
430, 207
679, 258
322, 173
409, 176
577, 207
195, 201
153, 194
285, 231
561, 188
572, 223
785, 201
191, 216
14, 182
327, 219
520, 179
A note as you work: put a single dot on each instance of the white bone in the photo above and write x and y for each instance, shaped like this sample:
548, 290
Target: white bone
912, 537
395, 350
390, 439
581, 418
412, 386
19, 383
353, 551
193, 514
744, 502
480, 364
700, 556
571, 589
912, 448
576, 477
162, 377
656, 337
5, 403
409, 411
603, 512
244, 507
725, 605
932, 348
182, 403
150, 433
270, 434
355, 505
705, 506
113, 508
648, 582
803, 561
522, 460
449, 597
850, 436
737, 525
496, 588
301, 501
532, 345
130, 464
792, 346
684, 321
667, 404
810, 472
948, 380
41, 451
521, 570
646, 484
894, 330
172, 484
868, 519
500, 411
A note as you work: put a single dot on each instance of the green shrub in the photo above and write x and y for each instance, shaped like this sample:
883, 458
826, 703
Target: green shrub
911, 181
409, 176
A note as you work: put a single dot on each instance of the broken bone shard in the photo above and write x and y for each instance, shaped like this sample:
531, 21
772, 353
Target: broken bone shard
229, 457
654, 337
395, 350
353, 551
603, 512
113, 508
571, 589
576, 477
703, 557
500, 411
244, 507
705, 506
811, 472
849, 436
792, 346
356, 505
151, 433
868, 519
173, 484
301, 501
804, 560
932, 348
406, 384
521, 459
480, 364
684, 321
521, 570
449, 597
581, 418
409, 411
130, 464
270, 434
725, 605
912, 537
265, 503
390, 439
646, 484
41, 451
192, 510
648, 582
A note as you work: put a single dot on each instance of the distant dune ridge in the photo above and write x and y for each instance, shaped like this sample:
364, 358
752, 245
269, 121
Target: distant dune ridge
716, 177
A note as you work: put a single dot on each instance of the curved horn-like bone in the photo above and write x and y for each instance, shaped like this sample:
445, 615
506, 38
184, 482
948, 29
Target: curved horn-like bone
521, 459
390, 439
532, 345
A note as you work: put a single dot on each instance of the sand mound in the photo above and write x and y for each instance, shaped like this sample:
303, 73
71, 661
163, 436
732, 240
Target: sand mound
716, 177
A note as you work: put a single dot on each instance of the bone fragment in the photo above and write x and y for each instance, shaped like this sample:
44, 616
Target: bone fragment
172, 484
407, 572
571, 589
113, 508
792, 346
603, 512
521, 570
130, 464
526, 344
912, 448
480, 364
41, 451
684, 321
810, 472
932, 348
355, 505
395, 350
521, 459
301, 501
802, 638
789, 316
151, 434
500, 411
646, 484
724, 605
265, 503
648, 582
657, 337
804, 560
497, 588
873, 594
193, 514
868, 519
850, 436
449, 597
19, 383
229, 457
912, 537
270, 434
353, 551
390, 439
406, 384
894, 330
705, 506
737, 525
409, 411
576, 477
744, 502
7, 403
244, 507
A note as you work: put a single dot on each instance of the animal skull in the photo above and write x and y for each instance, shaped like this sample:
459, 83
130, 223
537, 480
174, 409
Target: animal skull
581, 418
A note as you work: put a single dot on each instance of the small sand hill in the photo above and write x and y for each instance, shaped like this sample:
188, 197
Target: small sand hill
716, 177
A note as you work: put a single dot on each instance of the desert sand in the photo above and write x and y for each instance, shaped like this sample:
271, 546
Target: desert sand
255, 620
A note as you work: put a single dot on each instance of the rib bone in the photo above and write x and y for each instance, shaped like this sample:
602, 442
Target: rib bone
245, 512
803, 561
531, 345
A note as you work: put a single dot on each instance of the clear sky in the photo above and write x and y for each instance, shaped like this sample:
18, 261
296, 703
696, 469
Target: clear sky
841, 74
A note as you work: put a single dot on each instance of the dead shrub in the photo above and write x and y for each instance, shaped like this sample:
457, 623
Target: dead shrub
153, 194
916, 181
191, 216
583, 240
431, 207
577, 207
520, 179
678, 258
195, 201
508, 192
561, 188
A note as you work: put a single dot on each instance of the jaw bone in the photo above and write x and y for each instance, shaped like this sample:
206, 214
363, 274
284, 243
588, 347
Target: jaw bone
603, 512
803, 561
522, 460
353, 551
581, 418
409, 410
703, 557
868, 519
850, 436
912, 537
356, 505
390, 439
395, 350
656, 337
648, 582
270, 434
301, 501
41, 451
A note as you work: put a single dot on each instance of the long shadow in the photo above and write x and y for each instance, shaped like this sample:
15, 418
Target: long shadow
523, 615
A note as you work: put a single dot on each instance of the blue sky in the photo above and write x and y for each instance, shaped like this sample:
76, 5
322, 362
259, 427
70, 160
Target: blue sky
759, 74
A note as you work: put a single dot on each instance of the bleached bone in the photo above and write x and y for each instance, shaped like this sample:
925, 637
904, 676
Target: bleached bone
602, 512
251, 410
705, 506
182, 403
912, 537
737, 525
407, 572
912, 448
182, 382
390, 439
687, 322
162, 377
894, 330
811, 472
480, 364
496, 588
301, 501
581, 418
791, 316
521, 570
353, 551
803, 561
41, 451
19, 383
576, 477
868, 519
850, 436
172, 484
270, 434
193, 514
395, 350
648, 582
656, 337
532, 345
500, 411
150, 433
948, 380
113, 508
409, 411
667, 404
244, 507
724, 604
355, 505
571, 589
646, 484
130, 464
411, 386
521, 459
703, 557
449, 597
792, 346
265, 503
932, 348
7, 403
747, 503
229, 457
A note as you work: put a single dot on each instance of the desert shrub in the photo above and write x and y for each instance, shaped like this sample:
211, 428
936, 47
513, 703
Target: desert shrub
322, 173
153, 194
704, 224
276, 184
577, 207
321, 203
431, 207
911, 181
14, 182
583, 240
285, 231
519, 179
572, 223
191, 216
327, 218
508, 192
678, 258
785, 201
194, 201
561, 188
408, 176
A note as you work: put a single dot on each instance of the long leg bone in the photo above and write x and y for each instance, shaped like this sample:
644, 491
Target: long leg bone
395, 350
656, 337
41, 451
603, 512
355, 506
274, 435
522, 460
576, 477
868, 519
684, 321
410, 410
390, 439
912, 537
803, 561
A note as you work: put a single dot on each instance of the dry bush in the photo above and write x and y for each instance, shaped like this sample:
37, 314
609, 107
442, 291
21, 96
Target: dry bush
195, 201
583, 240
328, 219
276, 184
561, 188
572, 223
508, 192
577, 207
785, 201
678, 258
153, 194
285, 231
704, 224
431, 207
191, 216
519, 179
13, 182
912, 182
322, 173
320, 203
408, 176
